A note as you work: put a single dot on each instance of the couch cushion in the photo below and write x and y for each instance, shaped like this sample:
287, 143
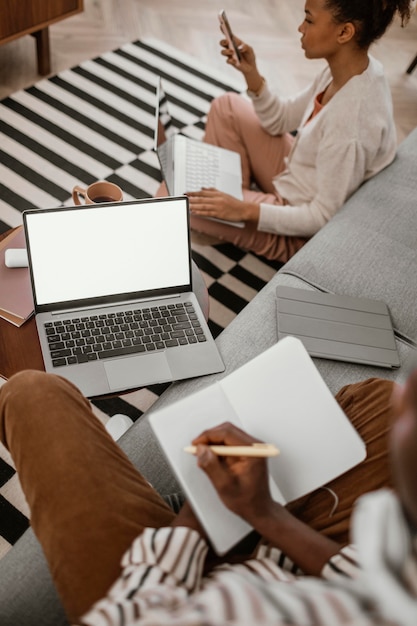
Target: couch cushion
27, 594
369, 248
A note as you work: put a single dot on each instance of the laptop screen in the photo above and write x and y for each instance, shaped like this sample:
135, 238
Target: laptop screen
98, 253
164, 127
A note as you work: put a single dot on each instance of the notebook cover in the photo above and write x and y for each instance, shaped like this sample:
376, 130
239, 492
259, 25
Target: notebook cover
16, 301
339, 327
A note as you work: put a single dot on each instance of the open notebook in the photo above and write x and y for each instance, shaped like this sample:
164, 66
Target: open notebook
280, 398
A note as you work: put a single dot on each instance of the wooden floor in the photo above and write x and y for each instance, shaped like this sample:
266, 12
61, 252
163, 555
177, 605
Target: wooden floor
191, 25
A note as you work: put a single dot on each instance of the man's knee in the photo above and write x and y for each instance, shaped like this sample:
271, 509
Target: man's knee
28, 389
28, 382
13, 396
31, 400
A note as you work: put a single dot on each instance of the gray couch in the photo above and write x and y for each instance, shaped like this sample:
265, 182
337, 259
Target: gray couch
368, 249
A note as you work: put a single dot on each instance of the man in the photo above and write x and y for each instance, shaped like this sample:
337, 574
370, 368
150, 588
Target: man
104, 530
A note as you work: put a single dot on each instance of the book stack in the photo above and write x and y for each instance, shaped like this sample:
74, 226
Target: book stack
16, 301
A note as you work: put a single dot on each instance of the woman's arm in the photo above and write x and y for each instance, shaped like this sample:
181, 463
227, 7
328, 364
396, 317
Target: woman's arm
214, 203
277, 115
339, 169
317, 183
247, 64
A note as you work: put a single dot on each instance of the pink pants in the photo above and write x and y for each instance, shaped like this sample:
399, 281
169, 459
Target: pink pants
233, 124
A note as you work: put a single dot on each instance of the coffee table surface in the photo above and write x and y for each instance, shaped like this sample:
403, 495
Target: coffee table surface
20, 348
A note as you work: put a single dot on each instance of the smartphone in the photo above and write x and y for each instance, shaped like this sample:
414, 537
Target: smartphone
227, 31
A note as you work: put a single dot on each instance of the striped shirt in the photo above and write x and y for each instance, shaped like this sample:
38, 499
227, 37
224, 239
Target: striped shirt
163, 584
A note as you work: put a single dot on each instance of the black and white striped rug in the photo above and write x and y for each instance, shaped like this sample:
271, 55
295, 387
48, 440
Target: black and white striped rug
96, 121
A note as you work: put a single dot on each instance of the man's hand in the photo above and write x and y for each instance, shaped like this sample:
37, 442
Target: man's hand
241, 482
243, 486
210, 202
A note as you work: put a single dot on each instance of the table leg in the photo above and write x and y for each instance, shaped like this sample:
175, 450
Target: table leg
42, 50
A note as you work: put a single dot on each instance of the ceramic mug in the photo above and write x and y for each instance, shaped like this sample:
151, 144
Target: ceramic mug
101, 191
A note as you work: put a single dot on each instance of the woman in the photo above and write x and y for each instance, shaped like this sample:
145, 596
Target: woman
345, 132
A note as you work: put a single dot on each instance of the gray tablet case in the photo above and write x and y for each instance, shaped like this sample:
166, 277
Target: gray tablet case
339, 327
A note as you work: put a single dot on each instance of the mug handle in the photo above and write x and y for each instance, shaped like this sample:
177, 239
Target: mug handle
76, 193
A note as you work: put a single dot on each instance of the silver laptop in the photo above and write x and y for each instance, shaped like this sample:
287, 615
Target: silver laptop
113, 297
188, 164
339, 327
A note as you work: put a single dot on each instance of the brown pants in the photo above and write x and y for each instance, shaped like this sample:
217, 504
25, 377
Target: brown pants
88, 502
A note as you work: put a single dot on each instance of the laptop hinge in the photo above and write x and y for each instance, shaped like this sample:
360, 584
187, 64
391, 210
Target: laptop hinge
97, 307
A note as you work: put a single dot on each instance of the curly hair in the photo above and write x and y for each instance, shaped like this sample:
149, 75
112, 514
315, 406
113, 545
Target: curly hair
370, 17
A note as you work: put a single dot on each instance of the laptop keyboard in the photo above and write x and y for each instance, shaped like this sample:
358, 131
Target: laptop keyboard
202, 166
83, 339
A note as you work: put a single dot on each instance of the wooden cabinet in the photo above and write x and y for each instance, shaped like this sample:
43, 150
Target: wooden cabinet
23, 17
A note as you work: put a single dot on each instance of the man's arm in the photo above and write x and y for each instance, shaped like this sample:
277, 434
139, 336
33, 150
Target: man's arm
243, 486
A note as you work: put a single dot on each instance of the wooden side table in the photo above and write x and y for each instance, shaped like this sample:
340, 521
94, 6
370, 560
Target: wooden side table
19, 347
24, 17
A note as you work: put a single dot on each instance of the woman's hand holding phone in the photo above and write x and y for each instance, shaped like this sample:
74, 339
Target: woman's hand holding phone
239, 54
230, 44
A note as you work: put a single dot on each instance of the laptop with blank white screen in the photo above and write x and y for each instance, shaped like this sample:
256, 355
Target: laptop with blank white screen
112, 288
188, 164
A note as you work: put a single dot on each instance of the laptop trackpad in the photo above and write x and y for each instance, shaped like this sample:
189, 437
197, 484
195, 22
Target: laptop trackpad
137, 371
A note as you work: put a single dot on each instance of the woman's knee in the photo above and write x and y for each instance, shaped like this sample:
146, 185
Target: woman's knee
223, 101
228, 105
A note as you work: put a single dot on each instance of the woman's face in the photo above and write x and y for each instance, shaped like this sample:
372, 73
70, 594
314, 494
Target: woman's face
403, 443
319, 31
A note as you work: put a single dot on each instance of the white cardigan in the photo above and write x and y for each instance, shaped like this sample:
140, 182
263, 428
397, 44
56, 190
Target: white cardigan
352, 138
